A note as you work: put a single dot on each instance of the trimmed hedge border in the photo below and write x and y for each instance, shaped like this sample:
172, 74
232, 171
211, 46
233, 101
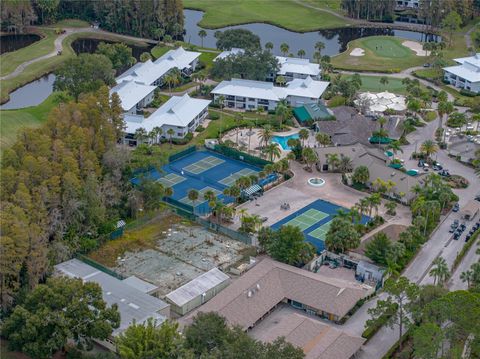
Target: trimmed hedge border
465, 250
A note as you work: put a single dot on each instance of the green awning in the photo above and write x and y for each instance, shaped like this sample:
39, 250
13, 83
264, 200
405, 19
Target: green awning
301, 114
380, 140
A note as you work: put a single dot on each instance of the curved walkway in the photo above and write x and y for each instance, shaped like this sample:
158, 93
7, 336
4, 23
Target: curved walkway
58, 47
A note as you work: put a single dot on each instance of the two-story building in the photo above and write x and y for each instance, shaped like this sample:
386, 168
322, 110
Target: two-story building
182, 114
251, 95
133, 95
295, 68
465, 75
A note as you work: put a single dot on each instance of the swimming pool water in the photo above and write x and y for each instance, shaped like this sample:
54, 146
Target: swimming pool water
282, 140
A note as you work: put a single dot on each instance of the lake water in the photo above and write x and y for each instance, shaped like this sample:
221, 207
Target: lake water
9, 43
32, 94
335, 40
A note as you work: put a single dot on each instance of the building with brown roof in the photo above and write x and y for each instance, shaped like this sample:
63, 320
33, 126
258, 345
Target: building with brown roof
251, 297
317, 340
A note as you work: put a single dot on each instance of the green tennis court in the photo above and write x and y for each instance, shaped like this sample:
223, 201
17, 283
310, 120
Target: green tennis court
200, 199
321, 231
230, 180
203, 165
171, 180
307, 219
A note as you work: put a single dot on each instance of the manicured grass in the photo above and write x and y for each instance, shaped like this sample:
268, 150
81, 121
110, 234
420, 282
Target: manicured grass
160, 50
372, 84
40, 68
288, 14
13, 121
70, 23
11, 60
382, 54
335, 5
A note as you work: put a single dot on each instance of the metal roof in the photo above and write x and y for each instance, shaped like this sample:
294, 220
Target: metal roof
197, 287
133, 305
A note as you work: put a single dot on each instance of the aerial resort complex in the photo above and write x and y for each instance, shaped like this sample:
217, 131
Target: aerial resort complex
240, 179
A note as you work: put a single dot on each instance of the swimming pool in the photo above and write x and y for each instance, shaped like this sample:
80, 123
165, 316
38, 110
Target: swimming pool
282, 140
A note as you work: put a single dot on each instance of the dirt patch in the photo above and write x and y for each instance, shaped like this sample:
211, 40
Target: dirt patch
416, 47
357, 52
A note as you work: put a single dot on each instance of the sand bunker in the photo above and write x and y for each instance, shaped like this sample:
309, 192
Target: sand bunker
417, 47
357, 52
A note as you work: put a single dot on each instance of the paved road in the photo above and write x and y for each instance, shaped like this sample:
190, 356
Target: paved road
440, 243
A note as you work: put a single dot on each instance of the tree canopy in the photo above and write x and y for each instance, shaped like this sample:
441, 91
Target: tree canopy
84, 73
240, 38
119, 54
57, 311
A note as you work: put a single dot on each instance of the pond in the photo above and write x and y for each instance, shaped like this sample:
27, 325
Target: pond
335, 40
9, 43
32, 94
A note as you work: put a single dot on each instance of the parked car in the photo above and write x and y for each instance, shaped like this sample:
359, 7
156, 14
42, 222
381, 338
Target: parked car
421, 163
456, 236
477, 197
451, 230
456, 208
445, 173
467, 238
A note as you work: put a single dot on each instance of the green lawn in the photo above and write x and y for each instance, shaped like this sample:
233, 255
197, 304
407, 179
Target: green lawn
13, 121
372, 84
382, 54
288, 14
70, 23
11, 60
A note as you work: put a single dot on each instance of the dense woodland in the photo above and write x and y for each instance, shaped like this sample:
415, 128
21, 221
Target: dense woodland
152, 19
432, 11
61, 184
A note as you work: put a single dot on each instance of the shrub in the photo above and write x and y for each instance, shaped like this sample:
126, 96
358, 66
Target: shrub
200, 128
468, 93
373, 327
337, 101
430, 116
213, 116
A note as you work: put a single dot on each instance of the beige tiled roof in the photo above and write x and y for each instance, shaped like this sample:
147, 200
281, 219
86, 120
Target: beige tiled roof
251, 296
318, 340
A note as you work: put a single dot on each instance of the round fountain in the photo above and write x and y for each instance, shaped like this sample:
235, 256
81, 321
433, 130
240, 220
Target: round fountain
316, 181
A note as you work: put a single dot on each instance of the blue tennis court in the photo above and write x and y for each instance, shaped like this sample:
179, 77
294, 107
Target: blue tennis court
314, 221
203, 171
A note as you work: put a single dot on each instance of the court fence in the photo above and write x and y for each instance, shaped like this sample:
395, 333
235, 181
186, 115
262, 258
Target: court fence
181, 154
187, 212
241, 156
99, 266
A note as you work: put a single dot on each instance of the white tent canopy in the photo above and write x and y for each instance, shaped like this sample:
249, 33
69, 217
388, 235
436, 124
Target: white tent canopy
380, 102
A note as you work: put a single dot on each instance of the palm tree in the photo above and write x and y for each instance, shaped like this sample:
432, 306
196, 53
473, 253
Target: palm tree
140, 135
301, 53
309, 156
467, 276
202, 33
391, 206
266, 134
269, 46
319, 46
303, 135
429, 147
272, 151
282, 111
250, 127
280, 80
333, 160
345, 165
172, 79
193, 195
170, 133
439, 271
375, 200
323, 139
158, 133
317, 56
395, 147
238, 119
284, 48
384, 80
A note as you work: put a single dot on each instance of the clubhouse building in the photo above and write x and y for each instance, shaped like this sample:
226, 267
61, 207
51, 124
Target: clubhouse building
465, 75
182, 114
270, 287
251, 95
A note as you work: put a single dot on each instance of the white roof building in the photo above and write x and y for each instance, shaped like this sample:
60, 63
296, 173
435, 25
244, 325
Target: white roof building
132, 93
295, 67
297, 92
133, 304
179, 111
466, 74
234, 51
149, 72
141, 285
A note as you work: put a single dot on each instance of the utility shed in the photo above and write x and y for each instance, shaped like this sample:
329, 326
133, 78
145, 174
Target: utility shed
198, 291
